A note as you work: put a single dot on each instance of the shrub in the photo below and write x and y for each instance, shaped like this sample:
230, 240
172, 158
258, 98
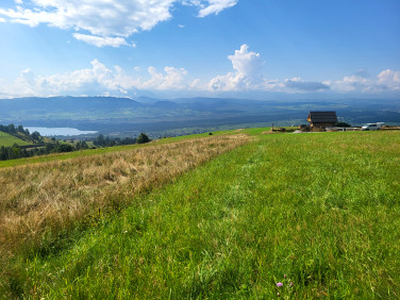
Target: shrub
142, 138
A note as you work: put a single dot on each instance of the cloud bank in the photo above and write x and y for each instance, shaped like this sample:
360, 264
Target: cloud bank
104, 22
301, 85
246, 76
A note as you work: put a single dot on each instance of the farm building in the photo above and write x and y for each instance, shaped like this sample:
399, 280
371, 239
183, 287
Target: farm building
322, 119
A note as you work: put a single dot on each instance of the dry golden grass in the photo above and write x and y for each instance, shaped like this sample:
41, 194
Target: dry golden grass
52, 196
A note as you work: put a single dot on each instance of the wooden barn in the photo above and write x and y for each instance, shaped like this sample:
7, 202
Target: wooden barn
322, 119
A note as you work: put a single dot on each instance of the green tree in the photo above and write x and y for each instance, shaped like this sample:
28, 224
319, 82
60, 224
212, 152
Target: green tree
35, 136
142, 138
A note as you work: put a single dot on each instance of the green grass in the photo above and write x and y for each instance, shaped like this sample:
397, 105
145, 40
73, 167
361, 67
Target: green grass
8, 140
320, 211
91, 152
65, 156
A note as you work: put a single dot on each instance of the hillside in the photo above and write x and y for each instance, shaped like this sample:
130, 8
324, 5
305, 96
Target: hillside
269, 215
189, 115
8, 140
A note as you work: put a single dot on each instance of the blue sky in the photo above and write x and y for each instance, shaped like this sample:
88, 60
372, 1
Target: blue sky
175, 48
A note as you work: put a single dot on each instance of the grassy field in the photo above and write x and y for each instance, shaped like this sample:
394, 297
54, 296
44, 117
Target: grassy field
285, 215
98, 151
8, 140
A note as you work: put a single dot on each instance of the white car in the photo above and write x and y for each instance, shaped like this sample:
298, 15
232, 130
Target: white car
372, 126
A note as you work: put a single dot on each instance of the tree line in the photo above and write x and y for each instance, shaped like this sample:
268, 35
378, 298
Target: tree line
102, 141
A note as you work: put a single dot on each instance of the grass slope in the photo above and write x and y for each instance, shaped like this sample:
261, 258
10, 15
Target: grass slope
318, 213
94, 152
8, 140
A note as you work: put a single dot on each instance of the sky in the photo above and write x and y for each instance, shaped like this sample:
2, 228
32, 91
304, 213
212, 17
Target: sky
257, 49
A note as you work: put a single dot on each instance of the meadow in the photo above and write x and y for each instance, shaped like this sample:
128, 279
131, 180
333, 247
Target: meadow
273, 215
8, 140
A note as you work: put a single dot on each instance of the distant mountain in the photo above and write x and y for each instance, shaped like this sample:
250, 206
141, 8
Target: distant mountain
66, 104
110, 114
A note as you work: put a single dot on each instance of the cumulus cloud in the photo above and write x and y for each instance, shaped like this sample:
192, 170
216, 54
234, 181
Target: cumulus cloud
2, 20
386, 81
390, 79
248, 67
246, 76
116, 20
305, 86
98, 79
171, 79
247, 63
351, 83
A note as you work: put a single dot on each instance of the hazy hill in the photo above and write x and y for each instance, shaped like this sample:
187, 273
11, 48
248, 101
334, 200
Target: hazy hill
110, 114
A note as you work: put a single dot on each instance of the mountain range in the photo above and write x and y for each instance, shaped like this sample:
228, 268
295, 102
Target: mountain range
117, 115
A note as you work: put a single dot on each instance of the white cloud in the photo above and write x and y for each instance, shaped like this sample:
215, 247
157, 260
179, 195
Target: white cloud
386, 81
172, 79
2, 20
247, 75
98, 80
351, 83
247, 63
216, 6
105, 18
101, 17
99, 41
305, 86
390, 79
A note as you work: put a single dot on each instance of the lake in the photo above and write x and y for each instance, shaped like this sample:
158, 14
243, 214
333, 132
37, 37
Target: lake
55, 131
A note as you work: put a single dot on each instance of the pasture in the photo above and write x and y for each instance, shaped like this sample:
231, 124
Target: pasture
272, 215
8, 140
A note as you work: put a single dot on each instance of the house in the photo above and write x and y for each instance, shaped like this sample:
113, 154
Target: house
322, 119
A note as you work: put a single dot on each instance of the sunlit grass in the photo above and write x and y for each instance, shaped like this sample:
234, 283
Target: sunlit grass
8, 140
318, 213
50, 196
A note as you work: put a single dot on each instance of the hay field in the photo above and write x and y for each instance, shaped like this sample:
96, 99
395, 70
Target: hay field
49, 197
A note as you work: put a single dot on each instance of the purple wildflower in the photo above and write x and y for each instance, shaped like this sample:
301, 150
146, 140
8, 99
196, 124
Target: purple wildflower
279, 284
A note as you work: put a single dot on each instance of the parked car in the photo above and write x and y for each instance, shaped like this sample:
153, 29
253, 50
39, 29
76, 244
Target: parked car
372, 126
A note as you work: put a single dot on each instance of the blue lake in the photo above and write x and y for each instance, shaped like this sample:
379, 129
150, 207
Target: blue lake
65, 131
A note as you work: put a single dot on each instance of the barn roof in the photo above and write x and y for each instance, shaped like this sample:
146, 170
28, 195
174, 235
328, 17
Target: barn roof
322, 117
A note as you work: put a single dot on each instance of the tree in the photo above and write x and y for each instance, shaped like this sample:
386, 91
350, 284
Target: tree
65, 148
11, 129
35, 136
3, 153
99, 141
142, 138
